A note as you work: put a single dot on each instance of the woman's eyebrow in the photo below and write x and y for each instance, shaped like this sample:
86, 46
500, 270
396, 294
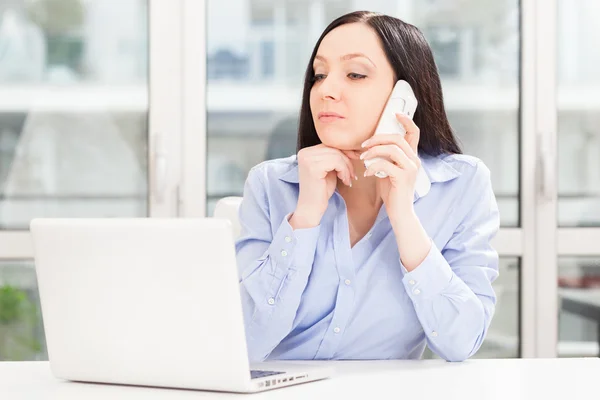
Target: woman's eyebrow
346, 57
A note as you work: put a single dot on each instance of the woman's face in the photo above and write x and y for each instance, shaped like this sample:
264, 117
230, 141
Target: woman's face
352, 82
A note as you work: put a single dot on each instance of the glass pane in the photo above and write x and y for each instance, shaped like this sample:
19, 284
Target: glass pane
578, 113
257, 52
503, 339
579, 305
21, 327
73, 110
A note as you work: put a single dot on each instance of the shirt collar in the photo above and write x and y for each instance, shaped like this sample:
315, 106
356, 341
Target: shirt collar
436, 169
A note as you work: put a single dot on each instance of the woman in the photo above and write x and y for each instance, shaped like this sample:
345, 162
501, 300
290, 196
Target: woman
336, 263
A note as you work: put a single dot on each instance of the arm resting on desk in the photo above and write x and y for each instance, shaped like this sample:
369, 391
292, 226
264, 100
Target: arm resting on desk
452, 290
274, 271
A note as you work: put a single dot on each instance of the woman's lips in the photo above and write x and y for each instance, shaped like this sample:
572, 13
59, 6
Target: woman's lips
329, 117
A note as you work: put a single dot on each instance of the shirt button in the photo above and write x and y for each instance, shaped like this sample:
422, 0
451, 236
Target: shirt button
434, 334
271, 301
411, 282
347, 282
288, 239
417, 292
336, 330
284, 253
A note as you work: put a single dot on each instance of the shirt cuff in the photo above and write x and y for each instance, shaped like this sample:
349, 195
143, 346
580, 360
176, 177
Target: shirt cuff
430, 278
293, 249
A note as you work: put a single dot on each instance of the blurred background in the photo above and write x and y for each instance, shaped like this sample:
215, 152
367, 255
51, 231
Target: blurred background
81, 123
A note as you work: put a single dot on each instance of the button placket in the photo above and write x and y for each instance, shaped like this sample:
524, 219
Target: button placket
345, 297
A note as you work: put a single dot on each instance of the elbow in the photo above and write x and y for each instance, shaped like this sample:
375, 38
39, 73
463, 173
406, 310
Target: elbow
468, 336
458, 350
461, 350
456, 356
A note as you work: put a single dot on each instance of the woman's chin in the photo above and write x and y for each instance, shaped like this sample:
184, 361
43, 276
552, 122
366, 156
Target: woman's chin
341, 145
345, 146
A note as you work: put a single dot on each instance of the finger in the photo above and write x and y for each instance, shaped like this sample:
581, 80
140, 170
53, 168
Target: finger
378, 140
345, 166
349, 165
392, 152
338, 163
385, 166
346, 154
325, 167
342, 170
343, 176
352, 154
408, 124
413, 133
325, 153
346, 160
410, 152
323, 164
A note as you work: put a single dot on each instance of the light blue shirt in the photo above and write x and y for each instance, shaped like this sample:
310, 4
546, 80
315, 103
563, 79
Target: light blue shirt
307, 294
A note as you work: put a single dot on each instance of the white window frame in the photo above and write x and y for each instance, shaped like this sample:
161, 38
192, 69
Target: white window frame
165, 123
178, 143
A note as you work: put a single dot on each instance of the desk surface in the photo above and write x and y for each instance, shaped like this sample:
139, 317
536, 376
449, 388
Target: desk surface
426, 379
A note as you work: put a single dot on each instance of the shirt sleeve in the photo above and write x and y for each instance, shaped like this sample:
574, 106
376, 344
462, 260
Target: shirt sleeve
274, 266
451, 289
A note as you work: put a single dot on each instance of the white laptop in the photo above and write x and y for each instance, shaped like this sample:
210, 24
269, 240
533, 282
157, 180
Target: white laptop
152, 302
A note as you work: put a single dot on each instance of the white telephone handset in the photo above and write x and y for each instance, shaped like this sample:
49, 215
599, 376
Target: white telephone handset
402, 100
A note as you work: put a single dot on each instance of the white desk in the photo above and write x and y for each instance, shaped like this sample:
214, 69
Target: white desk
527, 379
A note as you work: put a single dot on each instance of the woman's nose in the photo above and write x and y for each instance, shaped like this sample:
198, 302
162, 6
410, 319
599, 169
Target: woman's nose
330, 89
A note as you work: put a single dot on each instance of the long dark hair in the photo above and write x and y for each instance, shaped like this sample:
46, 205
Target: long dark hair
411, 59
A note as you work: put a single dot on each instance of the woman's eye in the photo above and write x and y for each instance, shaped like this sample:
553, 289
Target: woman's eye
352, 75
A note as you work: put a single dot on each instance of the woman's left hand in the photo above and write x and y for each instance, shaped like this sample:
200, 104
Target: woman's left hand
400, 162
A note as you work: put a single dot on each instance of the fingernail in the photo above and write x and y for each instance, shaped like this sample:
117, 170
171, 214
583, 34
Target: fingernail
363, 155
364, 144
355, 177
365, 174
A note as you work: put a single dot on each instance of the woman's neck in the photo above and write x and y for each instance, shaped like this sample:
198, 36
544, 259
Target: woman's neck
364, 192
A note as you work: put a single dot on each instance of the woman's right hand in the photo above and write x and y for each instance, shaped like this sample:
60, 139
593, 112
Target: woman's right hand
319, 169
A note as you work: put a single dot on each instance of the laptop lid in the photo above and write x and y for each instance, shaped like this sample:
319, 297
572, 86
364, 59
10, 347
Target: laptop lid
142, 301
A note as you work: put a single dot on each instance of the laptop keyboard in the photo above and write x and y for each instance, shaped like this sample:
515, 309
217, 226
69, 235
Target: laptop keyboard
255, 374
